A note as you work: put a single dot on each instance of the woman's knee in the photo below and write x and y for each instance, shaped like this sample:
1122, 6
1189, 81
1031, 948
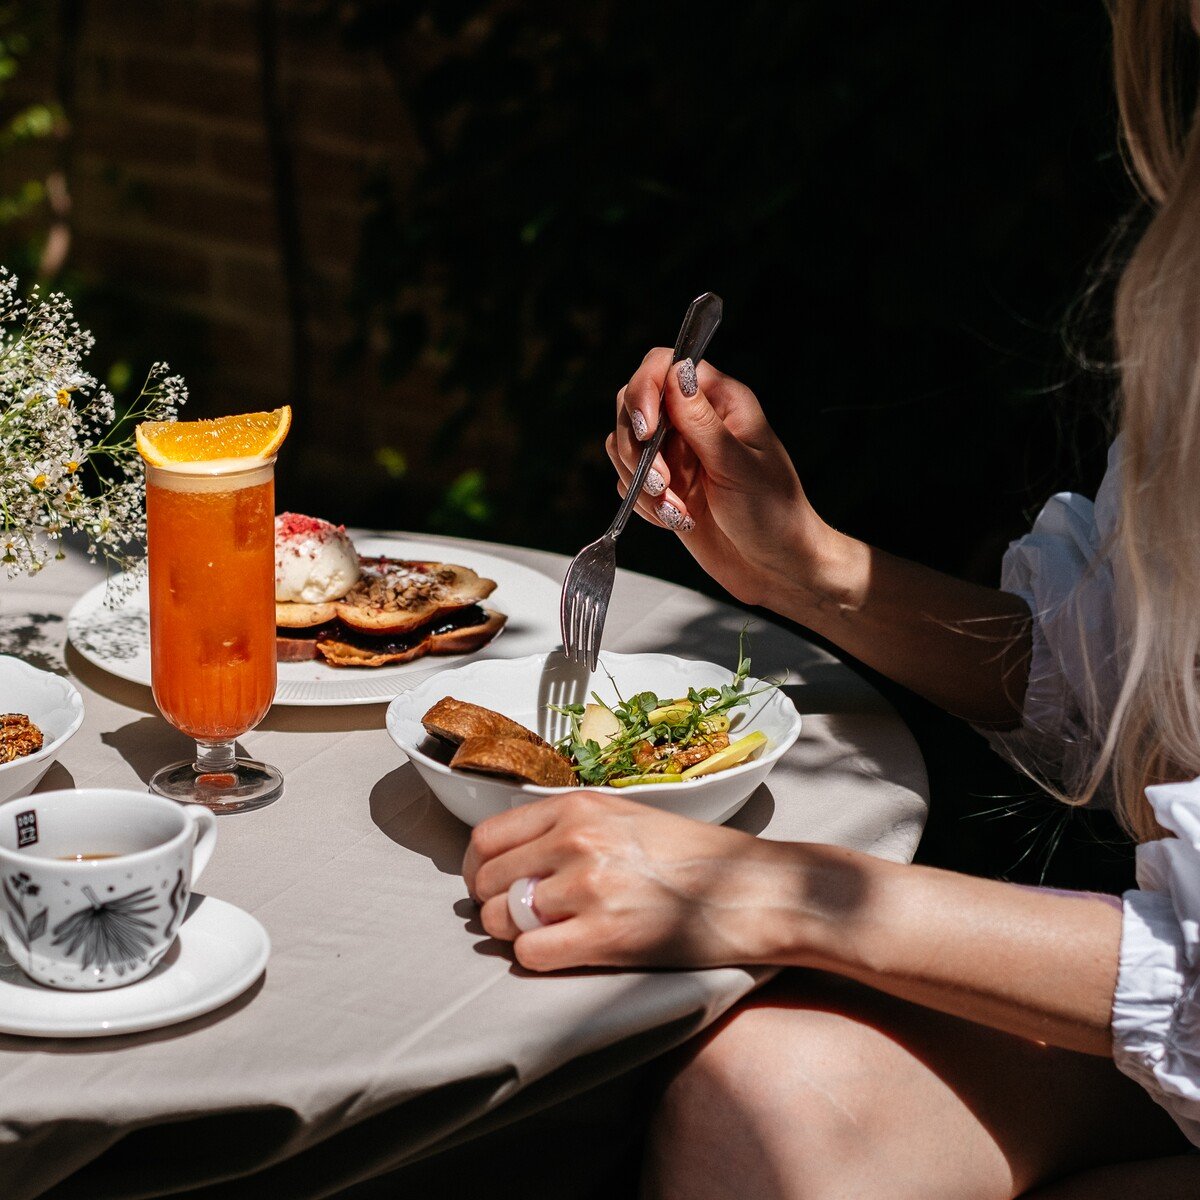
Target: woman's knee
768, 1104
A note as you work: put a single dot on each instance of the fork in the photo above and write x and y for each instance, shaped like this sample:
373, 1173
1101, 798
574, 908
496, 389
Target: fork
588, 584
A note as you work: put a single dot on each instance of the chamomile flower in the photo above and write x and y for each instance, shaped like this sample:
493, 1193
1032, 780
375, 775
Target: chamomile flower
67, 457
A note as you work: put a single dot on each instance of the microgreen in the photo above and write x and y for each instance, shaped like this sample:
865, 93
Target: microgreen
644, 747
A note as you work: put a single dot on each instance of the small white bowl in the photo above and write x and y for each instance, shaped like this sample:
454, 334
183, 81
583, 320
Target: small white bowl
522, 688
52, 704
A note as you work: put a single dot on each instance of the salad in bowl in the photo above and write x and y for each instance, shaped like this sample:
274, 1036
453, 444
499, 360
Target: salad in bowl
688, 736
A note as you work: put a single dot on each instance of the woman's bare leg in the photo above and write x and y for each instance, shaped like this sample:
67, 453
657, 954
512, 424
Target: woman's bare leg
821, 1088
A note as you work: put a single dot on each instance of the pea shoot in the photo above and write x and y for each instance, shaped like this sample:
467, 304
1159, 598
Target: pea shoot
649, 739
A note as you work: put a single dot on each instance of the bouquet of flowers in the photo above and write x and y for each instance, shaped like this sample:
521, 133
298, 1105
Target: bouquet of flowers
67, 458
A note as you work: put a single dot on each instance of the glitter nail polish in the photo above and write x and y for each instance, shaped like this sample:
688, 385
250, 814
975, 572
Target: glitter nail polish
641, 430
687, 377
655, 483
672, 518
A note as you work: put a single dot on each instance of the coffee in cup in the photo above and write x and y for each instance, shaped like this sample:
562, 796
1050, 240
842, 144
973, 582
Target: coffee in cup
94, 883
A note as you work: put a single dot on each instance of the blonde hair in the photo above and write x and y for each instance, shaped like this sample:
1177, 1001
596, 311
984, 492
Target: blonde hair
1153, 734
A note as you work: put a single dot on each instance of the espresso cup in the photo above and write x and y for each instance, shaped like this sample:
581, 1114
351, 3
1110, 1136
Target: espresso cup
94, 883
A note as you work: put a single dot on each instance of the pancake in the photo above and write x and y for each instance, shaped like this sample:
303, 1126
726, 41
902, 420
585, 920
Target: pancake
458, 632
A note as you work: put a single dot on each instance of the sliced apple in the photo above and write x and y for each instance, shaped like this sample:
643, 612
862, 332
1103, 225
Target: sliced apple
599, 725
671, 713
733, 754
635, 780
679, 710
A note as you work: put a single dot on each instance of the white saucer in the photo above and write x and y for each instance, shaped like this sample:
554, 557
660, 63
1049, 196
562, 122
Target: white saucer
220, 952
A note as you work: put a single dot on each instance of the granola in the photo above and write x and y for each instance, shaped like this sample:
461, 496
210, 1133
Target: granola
19, 737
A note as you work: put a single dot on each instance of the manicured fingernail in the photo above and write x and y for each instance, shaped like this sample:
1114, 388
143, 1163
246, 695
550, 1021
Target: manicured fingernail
672, 518
687, 377
655, 483
641, 430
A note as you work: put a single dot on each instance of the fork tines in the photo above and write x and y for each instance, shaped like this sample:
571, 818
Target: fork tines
587, 589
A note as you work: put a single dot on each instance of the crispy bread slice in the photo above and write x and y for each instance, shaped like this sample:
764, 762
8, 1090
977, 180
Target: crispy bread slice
396, 596
393, 596
457, 720
289, 615
514, 758
295, 649
434, 638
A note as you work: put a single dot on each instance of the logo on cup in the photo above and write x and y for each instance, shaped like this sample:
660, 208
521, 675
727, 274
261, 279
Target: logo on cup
27, 833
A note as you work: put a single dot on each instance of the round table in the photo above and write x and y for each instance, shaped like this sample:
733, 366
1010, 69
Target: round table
388, 1026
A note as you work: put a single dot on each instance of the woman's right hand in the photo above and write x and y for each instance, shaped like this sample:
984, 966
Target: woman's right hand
723, 481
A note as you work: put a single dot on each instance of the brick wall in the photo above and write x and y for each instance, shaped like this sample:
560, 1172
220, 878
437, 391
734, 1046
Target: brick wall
173, 211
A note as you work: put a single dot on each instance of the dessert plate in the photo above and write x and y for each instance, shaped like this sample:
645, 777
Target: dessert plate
118, 640
219, 953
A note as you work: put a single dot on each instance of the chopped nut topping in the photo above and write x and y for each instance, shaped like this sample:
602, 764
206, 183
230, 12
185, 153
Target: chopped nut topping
19, 736
392, 587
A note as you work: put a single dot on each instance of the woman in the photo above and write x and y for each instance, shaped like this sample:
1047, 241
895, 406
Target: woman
963, 1037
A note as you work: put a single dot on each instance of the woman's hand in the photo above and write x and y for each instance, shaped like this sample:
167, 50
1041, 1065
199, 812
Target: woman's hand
622, 884
723, 481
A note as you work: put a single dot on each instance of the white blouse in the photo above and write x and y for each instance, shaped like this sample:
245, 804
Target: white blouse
1062, 571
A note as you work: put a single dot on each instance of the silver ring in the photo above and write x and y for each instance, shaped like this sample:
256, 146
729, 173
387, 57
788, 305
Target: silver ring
521, 906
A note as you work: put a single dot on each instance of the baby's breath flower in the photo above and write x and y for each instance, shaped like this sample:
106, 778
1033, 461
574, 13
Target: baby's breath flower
67, 458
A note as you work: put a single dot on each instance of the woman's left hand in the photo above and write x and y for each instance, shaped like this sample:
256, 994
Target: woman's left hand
622, 884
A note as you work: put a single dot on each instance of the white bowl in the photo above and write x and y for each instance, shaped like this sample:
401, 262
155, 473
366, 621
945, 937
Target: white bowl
521, 688
52, 704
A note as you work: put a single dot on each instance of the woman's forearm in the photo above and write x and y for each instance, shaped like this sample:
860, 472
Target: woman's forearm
1031, 962
963, 646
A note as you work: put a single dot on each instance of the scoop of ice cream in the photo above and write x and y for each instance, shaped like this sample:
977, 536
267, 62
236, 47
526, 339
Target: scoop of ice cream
314, 560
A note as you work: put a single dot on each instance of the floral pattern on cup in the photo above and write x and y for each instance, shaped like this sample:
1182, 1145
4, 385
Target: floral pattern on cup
29, 925
110, 933
107, 917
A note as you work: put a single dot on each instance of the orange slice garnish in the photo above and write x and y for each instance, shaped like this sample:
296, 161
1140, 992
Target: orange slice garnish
246, 436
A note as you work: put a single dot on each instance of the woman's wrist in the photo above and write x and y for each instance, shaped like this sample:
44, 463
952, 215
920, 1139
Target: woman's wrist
827, 908
820, 572
1033, 963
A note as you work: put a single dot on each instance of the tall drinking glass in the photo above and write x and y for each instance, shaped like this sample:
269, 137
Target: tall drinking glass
211, 542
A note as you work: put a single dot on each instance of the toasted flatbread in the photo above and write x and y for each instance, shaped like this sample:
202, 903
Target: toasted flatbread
352, 648
514, 758
300, 645
457, 721
289, 615
393, 596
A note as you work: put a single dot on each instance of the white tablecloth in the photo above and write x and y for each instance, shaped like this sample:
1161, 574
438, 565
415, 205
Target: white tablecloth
387, 1024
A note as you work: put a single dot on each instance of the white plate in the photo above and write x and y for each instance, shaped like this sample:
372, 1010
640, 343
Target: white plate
219, 953
118, 640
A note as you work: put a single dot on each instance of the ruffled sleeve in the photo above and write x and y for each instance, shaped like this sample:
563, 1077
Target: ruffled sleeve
1156, 1006
1062, 571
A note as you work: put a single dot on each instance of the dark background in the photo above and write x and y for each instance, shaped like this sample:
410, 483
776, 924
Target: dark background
899, 207
447, 232
909, 215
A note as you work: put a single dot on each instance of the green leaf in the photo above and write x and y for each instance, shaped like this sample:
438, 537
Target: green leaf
393, 461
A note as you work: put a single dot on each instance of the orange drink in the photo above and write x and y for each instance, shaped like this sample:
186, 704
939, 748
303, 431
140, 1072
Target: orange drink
210, 531
212, 598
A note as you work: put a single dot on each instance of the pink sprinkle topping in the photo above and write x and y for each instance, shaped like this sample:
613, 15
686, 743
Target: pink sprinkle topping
297, 525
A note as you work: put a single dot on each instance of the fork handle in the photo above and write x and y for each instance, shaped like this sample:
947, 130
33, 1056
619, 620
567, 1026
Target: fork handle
700, 323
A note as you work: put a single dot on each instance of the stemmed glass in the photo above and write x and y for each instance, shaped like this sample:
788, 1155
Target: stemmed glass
211, 543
